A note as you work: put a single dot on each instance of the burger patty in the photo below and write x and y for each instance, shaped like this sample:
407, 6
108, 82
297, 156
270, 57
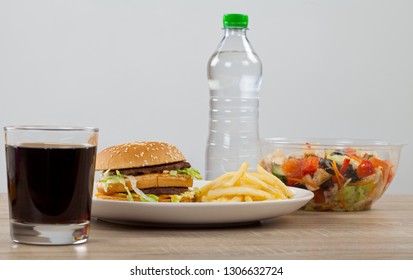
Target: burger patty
165, 190
155, 168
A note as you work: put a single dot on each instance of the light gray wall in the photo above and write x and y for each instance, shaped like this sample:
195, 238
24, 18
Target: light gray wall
137, 69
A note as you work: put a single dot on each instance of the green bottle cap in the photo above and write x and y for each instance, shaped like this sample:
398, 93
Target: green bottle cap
235, 21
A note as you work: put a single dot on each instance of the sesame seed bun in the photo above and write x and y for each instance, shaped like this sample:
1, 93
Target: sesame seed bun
138, 154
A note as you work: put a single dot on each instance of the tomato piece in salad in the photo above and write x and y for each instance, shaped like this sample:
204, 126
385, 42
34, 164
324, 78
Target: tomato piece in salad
385, 167
365, 169
292, 169
344, 166
309, 165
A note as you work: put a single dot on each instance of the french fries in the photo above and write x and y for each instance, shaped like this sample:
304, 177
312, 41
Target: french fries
243, 186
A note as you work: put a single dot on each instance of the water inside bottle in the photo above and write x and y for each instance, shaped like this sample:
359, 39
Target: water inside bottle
234, 80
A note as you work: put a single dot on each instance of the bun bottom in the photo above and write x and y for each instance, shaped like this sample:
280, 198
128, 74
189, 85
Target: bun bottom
116, 196
122, 197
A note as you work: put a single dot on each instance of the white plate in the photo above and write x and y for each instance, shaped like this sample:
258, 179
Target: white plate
208, 213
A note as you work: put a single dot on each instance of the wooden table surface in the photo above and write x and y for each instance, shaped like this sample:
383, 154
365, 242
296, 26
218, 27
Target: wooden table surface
385, 232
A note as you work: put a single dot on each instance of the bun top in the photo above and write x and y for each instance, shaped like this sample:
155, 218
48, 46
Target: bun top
137, 154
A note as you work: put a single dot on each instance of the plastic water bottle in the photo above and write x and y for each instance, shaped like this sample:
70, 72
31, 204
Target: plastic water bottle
234, 78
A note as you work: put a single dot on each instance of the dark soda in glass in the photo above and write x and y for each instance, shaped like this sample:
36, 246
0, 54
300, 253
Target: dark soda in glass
50, 183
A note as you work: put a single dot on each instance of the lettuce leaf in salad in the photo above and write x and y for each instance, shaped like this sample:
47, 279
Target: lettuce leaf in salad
353, 194
339, 159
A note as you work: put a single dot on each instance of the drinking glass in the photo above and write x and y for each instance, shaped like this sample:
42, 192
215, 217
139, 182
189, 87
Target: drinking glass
50, 174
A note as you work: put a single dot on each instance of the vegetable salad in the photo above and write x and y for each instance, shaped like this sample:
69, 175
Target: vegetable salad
341, 180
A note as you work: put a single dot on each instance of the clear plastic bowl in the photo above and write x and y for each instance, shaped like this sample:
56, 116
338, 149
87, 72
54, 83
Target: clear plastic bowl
344, 175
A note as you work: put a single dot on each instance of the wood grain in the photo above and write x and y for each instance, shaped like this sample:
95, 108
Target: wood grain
385, 232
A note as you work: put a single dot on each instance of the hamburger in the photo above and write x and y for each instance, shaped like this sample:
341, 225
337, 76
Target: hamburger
145, 171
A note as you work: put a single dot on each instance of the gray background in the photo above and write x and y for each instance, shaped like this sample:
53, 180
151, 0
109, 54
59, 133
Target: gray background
137, 69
